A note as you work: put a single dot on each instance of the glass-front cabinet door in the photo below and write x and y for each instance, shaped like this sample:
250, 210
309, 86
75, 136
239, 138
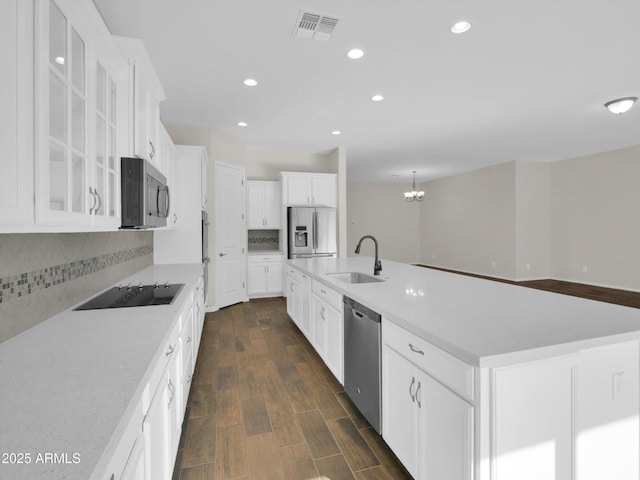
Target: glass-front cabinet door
80, 116
63, 187
106, 152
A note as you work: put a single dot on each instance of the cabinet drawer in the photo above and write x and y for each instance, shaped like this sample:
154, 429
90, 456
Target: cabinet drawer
267, 258
329, 295
169, 348
446, 368
294, 273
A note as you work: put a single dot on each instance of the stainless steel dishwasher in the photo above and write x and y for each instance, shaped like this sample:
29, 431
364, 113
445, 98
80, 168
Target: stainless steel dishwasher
362, 351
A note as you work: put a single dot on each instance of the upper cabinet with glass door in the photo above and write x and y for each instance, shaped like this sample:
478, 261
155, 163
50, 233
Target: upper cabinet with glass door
147, 93
80, 87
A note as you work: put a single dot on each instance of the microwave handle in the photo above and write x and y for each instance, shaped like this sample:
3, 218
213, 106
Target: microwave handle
161, 213
168, 202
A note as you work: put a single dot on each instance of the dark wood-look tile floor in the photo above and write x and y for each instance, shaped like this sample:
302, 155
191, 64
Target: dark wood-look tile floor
264, 406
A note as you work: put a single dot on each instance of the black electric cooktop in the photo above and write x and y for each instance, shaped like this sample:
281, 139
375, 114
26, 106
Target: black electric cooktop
134, 296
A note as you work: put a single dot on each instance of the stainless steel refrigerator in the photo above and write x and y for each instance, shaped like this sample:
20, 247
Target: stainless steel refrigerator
312, 232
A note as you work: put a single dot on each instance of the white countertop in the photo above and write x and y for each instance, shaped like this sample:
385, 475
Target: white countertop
482, 322
264, 252
67, 385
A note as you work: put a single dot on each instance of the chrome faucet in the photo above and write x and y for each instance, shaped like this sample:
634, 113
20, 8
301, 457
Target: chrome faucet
377, 266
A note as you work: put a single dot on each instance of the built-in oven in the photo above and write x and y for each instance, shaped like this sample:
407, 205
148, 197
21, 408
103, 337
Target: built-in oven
205, 250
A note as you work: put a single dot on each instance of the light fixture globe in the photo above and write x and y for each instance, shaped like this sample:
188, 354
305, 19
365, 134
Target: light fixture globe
620, 105
414, 195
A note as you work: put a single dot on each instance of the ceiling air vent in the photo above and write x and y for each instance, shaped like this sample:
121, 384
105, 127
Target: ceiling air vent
318, 26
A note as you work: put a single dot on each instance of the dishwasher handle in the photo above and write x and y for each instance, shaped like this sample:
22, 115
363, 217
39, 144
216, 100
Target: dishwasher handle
360, 311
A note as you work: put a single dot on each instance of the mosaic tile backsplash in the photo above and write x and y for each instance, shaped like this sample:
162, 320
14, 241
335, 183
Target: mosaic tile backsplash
44, 274
263, 239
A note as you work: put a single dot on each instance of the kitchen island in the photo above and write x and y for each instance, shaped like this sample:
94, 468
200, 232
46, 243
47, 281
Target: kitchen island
74, 390
510, 382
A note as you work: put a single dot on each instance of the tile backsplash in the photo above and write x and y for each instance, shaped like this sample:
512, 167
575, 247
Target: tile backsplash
44, 274
263, 239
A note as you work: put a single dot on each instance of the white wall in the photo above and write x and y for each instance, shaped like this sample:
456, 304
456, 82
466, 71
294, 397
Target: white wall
595, 219
379, 209
533, 210
468, 222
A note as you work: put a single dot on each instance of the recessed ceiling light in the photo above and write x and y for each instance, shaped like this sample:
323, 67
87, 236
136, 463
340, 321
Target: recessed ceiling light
461, 26
60, 60
377, 98
621, 105
250, 82
355, 53
336, 132
242, 124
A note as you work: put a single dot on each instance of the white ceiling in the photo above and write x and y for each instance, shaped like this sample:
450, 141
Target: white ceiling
527, 82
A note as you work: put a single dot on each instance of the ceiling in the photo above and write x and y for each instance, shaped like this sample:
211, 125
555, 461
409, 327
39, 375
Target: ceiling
527, 82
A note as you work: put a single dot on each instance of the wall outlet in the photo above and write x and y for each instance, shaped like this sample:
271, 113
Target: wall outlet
528, 266
433, 256
493, 264
585, 269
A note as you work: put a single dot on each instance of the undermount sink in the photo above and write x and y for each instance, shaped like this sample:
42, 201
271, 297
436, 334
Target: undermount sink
355, 277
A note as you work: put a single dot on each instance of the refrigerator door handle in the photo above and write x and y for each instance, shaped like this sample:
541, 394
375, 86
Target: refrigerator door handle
315, 230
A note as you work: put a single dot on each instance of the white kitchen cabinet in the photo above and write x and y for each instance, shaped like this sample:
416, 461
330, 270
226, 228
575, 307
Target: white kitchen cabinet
163, 422
146, 94
168, 157
309, 189
16, 115
293, 294
428, 426
305, 304
327, 324
199, 314
182, 243
135, 467
264, 205
400, 415
157, 435
80, 87
265, 275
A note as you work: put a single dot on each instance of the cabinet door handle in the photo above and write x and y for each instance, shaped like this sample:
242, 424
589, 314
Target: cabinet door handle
94, 201
175, 218
291, 287
223, 254
322, 310
170, 351
413, 381
95, 212
172, 391
418, 398
188, 339
415, 350
153, 150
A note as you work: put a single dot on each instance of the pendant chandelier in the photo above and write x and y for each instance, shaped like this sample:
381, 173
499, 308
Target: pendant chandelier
413, 195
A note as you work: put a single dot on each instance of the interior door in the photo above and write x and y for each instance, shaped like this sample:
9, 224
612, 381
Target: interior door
230, 234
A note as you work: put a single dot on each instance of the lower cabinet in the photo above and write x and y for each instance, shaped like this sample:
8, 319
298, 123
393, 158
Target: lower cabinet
160, 411
293, 295
317, 311
328, 328
163, 422
429, 426
135, 467
265, 275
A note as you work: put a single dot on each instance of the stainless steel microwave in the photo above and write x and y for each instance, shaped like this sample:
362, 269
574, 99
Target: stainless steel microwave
145, 195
